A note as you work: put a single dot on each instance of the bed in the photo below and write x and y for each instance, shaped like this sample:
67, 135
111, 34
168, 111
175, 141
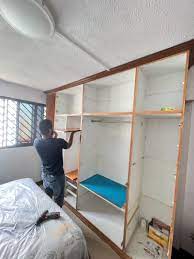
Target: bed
21, 203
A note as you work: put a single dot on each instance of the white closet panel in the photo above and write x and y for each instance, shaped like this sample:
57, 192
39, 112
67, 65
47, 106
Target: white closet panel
136, 172
159, 180
104, 216
164, 91
111, 94
105, 147
161, 139
151, 208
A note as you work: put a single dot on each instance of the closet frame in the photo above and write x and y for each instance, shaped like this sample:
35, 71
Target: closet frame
51, 96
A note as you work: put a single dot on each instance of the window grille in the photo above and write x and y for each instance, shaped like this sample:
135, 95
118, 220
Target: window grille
19, 122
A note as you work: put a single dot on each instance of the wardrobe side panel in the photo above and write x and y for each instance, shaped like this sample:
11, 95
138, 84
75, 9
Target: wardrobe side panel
71, 155
89, 98
160, 158
112, 149
140, 91
89, 142
136, 173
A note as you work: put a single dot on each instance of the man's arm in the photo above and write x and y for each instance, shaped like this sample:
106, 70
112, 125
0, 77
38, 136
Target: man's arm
63, 143
70, 142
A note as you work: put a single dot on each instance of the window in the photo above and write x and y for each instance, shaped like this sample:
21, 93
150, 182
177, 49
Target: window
19, 122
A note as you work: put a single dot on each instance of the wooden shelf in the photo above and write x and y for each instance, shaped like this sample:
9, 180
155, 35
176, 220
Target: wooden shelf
69, 115
72, 175
108, 114
160, 114
68, 130
72, 185
72, 193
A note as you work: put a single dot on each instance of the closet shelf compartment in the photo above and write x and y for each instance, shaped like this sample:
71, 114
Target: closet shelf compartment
107, 189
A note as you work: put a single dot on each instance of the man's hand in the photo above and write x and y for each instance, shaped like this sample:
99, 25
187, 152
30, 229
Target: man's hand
55, 135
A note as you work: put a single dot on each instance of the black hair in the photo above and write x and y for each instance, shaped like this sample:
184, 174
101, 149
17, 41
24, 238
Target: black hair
45, 126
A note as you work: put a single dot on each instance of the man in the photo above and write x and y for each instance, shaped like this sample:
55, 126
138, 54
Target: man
50, 149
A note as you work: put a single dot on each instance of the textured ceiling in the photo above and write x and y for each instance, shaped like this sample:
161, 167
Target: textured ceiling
114, 31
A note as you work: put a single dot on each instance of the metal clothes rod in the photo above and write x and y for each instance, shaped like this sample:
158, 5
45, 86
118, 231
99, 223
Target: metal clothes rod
103, 121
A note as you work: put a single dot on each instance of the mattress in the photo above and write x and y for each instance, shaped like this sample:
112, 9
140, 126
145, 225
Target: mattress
21, 203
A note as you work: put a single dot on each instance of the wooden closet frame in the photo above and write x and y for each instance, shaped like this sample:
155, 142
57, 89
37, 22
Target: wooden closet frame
186, 47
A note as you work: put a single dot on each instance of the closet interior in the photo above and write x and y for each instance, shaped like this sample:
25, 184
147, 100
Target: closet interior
122, 169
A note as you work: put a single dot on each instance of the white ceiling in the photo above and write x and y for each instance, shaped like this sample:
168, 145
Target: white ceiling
114, 31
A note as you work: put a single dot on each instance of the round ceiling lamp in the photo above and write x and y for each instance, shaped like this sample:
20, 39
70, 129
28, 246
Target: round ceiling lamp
28, 17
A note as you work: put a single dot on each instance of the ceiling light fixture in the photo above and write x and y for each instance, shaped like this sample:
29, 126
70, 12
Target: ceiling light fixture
32, 19
28, 17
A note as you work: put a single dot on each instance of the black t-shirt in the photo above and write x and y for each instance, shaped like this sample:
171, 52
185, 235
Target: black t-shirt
51, 154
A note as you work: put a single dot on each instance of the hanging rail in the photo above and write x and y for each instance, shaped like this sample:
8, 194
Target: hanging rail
104, 121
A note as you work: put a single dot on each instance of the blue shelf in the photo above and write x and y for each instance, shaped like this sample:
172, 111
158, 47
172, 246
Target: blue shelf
109, 190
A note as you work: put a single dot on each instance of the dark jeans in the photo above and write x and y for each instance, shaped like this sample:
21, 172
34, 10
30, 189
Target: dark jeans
54, 187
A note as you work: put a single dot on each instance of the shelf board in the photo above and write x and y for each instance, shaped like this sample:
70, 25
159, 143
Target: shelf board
68, 130
68, 115
160, 114
104, 188
72, 185
72, 175
108, 114
72, 193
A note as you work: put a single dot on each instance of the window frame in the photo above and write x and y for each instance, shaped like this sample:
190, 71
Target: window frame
27, 102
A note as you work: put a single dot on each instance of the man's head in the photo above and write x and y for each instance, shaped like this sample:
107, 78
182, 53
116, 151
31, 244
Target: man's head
46, 128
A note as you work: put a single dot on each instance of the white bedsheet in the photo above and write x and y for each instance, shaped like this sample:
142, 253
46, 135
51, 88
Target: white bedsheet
21, 203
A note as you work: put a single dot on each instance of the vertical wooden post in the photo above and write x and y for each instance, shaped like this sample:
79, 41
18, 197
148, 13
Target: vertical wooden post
180, 144
50, 106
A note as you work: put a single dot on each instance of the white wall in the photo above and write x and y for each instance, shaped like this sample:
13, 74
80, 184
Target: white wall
188, 209
185, 206
21, 161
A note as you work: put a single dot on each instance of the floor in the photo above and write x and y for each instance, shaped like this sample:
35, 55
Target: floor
99, 250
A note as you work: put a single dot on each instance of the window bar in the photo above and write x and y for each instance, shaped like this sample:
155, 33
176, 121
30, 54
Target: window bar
35, 122
6, 131
21, 117
33, 106
17, 123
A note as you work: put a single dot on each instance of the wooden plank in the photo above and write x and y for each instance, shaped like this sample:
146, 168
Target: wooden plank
70, 115
101, 235
130, 158
160, 114
178, 158
72, 175
50, 107
68, 130
191, 57
108, 114
132, 64
79, 151
72, 193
